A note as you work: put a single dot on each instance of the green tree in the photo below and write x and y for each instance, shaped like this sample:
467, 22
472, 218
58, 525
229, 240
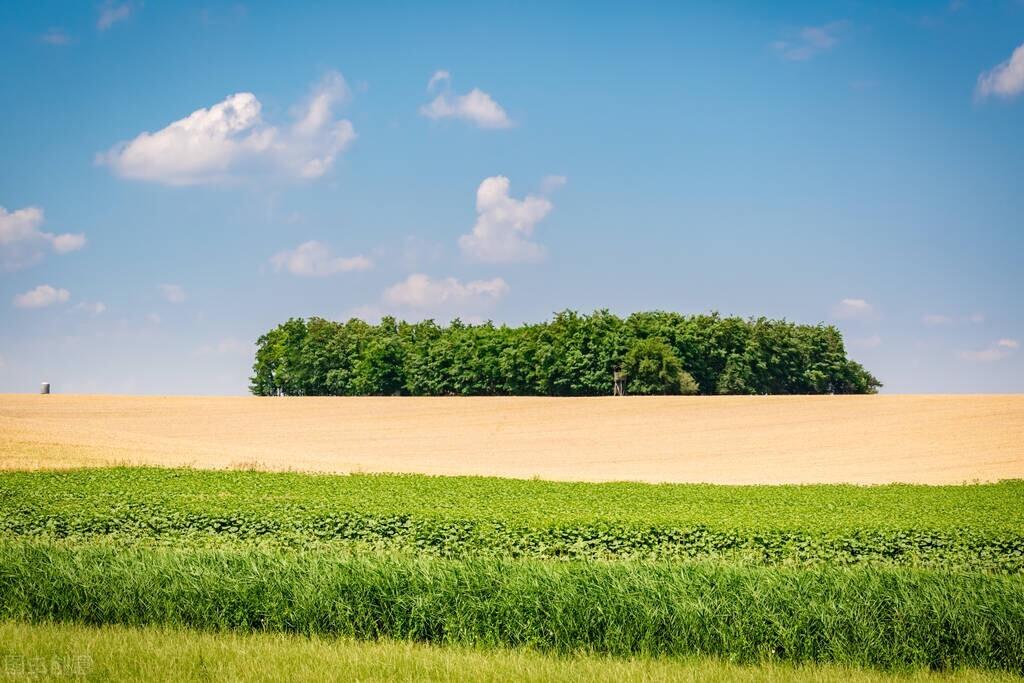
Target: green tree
573, 354
652, 367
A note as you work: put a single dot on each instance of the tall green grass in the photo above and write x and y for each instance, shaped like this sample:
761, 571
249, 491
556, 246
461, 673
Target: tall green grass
880, 617
115, 653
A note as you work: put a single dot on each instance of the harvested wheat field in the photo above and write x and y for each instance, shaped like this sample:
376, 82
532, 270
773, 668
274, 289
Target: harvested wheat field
856, 439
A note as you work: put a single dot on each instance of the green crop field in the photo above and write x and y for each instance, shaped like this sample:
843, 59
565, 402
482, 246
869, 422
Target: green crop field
977, 527
894, 578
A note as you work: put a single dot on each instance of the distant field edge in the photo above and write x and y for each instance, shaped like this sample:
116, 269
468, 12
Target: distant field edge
724, 440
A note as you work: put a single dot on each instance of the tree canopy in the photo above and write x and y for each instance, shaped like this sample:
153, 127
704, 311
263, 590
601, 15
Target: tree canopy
573, 354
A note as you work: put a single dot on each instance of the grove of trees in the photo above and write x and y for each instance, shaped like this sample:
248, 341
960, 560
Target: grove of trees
572, 355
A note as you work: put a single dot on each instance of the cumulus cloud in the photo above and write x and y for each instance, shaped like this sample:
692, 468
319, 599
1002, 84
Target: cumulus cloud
22, 242
314, 259
230, 140
111, 12
504, 225
853, 309
476, 106
173, 293
1003, 80
810, 41
41, 297
997, 351
421, 292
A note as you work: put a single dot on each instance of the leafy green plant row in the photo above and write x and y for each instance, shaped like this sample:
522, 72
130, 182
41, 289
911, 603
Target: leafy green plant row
882, 617
991, 510
460, 538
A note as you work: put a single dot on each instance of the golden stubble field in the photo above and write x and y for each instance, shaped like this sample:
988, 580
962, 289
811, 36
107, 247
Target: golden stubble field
734, 440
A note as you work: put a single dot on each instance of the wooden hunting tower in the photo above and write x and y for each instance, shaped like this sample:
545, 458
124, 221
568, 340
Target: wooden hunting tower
619, 385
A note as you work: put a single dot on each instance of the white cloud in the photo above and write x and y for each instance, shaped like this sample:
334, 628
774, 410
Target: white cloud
936, 319
113, 12
94, 307
230, 140
63, 244
504, 225
810, 41
440, 76
55, 36
976, 318
173, 293
153, 319
314, 259
1004, 80
853, 309
997, 351
42, 296
476, 106
421, 292
22, 242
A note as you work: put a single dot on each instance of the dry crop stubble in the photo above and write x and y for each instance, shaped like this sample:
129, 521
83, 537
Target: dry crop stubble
729, 440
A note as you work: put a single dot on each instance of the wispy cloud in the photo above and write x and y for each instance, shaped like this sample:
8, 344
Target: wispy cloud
421, 292
93, 307
111, 12
941, 319
810, 41
314, 259
853, 309
1003, 80
22, 242
996, 351
175, 294
440, 76
41, 297
476, 106
56, 36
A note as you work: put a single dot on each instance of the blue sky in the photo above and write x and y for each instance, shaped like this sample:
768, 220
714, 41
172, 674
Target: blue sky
180, 177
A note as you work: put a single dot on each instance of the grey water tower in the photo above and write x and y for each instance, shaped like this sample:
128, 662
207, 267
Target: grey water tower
45, 388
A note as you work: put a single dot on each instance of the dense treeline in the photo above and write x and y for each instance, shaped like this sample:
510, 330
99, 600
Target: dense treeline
572, 355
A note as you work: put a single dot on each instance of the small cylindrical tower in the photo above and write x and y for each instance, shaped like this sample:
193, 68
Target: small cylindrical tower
44, 388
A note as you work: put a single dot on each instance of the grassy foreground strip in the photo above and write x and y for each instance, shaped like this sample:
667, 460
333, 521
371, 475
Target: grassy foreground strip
117, 653
973, 527
880, 617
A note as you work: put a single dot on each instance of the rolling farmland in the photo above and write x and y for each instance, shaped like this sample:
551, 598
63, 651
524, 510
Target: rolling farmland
726, 440
512, 575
